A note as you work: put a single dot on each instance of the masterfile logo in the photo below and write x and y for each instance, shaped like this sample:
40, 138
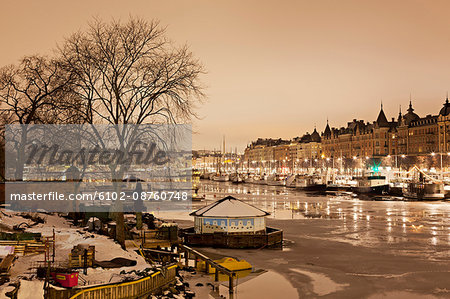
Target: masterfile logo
63, 168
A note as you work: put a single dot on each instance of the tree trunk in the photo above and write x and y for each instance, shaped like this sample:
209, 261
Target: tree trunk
120, 229
21, 153
139, 220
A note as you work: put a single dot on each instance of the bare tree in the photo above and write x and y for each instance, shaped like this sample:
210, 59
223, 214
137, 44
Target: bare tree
130, 73
30, 94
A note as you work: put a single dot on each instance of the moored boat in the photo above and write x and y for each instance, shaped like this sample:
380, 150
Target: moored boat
249, 178
259, 180
310, 183
221, 177
396, 187
276, 180
334, 187
423, 186
371, 184
424, 191
236, 178
290, 181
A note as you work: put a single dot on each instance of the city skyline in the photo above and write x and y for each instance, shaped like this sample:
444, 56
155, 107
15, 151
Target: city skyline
276, 69
335, 128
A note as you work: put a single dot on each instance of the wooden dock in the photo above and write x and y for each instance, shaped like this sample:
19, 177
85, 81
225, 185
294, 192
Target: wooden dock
271, 238
190, 253
155, 239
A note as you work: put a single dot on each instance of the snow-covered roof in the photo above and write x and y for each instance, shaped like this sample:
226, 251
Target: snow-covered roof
229, 207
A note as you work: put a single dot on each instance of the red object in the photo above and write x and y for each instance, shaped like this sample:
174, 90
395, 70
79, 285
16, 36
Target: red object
66, 280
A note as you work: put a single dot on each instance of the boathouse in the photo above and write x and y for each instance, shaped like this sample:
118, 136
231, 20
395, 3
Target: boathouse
230, 222
229, 215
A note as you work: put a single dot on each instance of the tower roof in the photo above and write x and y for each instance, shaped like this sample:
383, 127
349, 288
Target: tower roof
400, 117
410, 116
229, 207
327, 131
382, 120
446, 109
315, 137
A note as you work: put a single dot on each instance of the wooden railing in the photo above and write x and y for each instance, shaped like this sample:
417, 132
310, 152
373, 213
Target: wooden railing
131, 289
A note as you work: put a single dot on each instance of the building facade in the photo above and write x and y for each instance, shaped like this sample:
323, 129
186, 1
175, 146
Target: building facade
277, 154
409, 134
406, 135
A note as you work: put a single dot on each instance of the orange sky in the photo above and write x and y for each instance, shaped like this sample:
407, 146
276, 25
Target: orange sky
275, 68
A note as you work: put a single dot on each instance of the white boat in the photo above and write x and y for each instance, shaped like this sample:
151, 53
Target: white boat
259, 180
290, 181
236, 178
221, 177
249, 179
206, 175
276, 180
310, 183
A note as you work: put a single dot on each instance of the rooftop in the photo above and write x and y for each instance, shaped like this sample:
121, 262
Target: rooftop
229, 207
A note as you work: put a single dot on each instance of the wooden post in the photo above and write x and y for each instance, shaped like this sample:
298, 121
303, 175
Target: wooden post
230, 283
206, 267
216, 275
85, 264
54, 246
186, 258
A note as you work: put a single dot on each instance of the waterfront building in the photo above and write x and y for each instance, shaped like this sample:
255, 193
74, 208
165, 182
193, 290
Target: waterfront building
231, 223
283, 155
406, 135
231, 216
359, 139
309, 146
409, 134
262, 153
444, 128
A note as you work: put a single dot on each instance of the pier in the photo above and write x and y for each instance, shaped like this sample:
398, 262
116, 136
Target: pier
189, 253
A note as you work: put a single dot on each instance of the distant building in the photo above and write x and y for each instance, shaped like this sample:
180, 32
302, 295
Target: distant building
277, 153
409, 134
265, 153
308, 146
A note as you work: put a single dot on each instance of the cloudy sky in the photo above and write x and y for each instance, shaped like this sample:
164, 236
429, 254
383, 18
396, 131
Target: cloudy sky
275, 68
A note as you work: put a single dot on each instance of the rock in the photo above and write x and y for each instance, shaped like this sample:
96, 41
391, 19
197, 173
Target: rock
174, 291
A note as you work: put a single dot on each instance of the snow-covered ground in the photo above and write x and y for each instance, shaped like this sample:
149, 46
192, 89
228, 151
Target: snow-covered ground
67, 236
